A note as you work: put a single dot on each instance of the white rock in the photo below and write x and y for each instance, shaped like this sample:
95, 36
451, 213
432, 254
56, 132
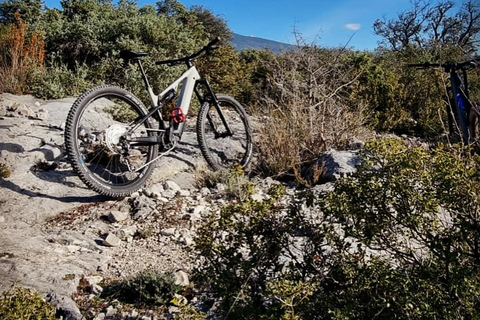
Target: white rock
2, 219
184, 193
110, 311
258, 196
112, 240
188, 240
135, 194
168, 232
220, 187
205, 191
171, 185
162, 199
25, 111
117, 216
96, 289
100, 316
181, 278
125, 233
92, 280
198, 210
73, 248
41, 114
156, 188
169, 194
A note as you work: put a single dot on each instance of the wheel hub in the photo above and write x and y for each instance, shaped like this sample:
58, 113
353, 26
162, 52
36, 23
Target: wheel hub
113, 135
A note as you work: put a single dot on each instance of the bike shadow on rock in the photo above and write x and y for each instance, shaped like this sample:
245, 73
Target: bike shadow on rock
37, 194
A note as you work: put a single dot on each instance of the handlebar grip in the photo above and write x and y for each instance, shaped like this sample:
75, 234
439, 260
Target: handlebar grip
212, 44
214, 41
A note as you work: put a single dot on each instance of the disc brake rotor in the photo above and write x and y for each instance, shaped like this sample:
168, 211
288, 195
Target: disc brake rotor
113, 135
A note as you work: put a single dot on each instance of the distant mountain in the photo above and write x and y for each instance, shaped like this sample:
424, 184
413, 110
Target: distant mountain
244, 42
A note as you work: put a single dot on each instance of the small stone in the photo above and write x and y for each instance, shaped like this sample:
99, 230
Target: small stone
117, 216
162, 199
168, 232
170, 185
181, 278
220, 187
2, 219
125, 233
129, 314
173, 309
41, 114
136, 194
147, 192
92, 280
205, 191
25, 111
158, 188
73, 248
100, 316
184, 193
198, 210
187, 240
169, 194
112, 240
110, 311
258, 196
96, 289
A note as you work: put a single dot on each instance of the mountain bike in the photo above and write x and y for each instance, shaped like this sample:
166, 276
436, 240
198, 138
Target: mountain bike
112, 140
463, 114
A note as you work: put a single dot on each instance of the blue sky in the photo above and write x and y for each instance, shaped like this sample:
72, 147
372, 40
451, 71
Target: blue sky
331, 22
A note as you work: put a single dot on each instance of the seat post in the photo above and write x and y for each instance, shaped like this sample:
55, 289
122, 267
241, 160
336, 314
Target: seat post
144, 76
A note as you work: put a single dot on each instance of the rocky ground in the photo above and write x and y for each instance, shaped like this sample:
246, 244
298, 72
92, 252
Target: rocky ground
55, 233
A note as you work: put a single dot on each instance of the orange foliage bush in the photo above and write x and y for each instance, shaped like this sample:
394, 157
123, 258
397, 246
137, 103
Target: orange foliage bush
20, 53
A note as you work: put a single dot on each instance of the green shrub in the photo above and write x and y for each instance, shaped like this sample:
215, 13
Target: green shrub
397, 239
149, 287
26, 304
58, 81
4, 170
236, 183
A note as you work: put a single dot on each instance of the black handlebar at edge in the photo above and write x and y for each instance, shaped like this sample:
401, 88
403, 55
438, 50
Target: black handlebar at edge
188, 59
475, 63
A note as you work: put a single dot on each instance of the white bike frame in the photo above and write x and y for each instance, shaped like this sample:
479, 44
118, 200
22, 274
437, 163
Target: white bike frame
187, 81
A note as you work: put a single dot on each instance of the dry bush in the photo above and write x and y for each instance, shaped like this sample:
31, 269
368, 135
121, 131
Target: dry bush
20, 53
306, 110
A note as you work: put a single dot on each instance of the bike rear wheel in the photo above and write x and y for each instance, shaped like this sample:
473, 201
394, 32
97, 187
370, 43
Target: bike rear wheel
474, 123
224, 145
96, 144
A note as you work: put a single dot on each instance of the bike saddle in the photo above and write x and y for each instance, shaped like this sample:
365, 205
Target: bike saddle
132, 55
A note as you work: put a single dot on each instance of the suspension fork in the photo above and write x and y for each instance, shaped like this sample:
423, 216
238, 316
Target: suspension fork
210, 97
460, 104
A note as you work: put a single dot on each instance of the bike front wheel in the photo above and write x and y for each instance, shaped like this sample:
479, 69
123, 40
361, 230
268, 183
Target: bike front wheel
224, 133
474, 123
97, 134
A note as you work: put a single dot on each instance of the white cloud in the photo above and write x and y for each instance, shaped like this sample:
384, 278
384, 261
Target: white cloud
353, 26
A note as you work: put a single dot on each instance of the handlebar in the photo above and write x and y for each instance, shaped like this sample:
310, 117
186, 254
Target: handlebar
188, 59
474, 63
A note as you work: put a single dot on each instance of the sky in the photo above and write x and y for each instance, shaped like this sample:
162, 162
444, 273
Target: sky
328, 23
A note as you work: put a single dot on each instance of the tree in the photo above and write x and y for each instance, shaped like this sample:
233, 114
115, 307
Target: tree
171, 8
30, 11
214, 26
430, 27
